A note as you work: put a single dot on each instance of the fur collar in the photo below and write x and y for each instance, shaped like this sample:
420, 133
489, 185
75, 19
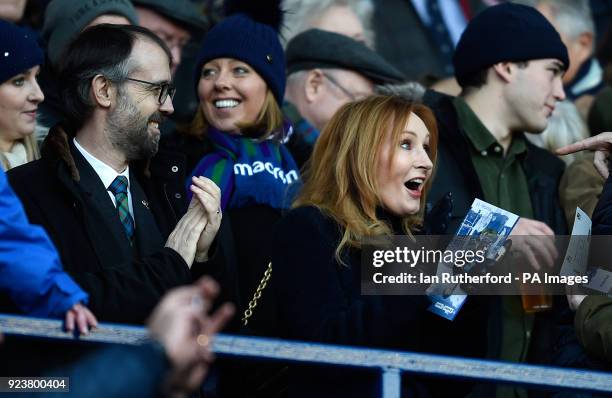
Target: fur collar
56, 148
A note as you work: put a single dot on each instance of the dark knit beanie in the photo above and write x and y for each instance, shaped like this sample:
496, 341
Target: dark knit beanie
19, 50
249, 34
65, 19
506, 33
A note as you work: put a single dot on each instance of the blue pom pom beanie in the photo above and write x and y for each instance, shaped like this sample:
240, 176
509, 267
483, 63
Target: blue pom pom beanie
255, 43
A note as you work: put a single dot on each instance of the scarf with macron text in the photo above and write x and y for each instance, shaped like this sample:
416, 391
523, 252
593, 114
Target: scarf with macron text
249, 172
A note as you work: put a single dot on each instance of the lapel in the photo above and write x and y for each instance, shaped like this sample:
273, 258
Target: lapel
147, 237
100, 216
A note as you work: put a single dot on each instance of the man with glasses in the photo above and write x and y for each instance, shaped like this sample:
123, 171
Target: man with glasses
111, 206
180, 24
63, 21
325, 71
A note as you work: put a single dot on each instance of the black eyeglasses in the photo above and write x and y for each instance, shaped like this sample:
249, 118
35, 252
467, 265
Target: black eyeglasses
165, 89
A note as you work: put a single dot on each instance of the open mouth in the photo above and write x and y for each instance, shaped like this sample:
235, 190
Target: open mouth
155, 120
415, 184
226, 103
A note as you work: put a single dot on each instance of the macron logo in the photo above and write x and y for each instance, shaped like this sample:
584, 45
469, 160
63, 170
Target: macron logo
245, 169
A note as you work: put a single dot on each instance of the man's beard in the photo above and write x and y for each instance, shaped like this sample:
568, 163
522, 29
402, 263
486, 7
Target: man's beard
129, 130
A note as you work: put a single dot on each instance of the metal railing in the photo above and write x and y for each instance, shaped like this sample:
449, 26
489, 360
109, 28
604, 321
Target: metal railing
390, 363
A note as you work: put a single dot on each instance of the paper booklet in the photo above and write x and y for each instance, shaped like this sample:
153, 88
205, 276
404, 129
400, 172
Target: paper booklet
492, 226
576, 258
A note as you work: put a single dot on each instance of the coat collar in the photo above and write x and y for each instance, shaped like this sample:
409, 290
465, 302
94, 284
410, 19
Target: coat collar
453, 135
542, 168
73, 171
56, 149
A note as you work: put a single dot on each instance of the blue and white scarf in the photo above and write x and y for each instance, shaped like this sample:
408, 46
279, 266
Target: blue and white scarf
249, 172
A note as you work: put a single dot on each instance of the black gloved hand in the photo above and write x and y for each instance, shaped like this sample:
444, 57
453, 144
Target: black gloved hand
437, 217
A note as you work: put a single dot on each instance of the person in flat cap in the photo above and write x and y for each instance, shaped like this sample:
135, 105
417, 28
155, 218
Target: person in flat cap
325, 71
174, 22
64, 20
509, 63
181, 25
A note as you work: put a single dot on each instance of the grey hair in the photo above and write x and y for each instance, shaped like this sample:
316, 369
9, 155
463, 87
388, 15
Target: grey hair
301, 14
565, 127
411, 91
573, 17
296, 77
300, 75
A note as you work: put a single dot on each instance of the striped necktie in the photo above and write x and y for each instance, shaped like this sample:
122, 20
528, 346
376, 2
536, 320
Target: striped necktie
119, 188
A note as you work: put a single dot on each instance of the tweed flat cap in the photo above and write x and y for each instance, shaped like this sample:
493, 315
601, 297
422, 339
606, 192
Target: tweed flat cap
315, 48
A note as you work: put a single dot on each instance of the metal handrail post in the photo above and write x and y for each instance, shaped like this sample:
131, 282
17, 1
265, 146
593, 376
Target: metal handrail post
391, 383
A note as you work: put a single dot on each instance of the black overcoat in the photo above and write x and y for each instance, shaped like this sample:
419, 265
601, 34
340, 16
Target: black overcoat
62, 193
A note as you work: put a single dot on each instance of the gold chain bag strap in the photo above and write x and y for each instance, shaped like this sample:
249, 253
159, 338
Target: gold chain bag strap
248, 313
270, 381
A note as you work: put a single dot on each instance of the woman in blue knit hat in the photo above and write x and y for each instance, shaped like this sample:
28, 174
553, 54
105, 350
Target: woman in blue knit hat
33, 281
240, 84
20, 60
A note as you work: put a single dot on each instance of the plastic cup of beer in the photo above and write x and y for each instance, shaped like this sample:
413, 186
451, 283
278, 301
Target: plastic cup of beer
536, 302
535, 297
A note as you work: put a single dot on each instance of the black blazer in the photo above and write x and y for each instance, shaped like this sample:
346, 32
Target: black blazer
62, 193
405, 41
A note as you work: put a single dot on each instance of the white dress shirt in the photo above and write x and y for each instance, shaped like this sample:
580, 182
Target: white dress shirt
107, 175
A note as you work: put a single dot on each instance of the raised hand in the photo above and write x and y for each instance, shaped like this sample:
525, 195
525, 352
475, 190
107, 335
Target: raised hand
208, 195
601, 144
182, 325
